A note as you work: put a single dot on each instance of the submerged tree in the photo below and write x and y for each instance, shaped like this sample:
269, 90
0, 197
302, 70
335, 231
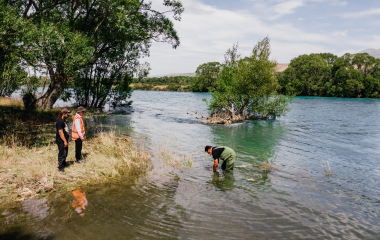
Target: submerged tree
247, 87
65, 37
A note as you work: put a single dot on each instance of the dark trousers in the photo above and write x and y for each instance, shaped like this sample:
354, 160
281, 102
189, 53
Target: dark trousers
78, 149
224, 165
62, 154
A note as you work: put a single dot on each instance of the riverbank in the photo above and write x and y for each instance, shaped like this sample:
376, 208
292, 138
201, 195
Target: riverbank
28, 166
173, 87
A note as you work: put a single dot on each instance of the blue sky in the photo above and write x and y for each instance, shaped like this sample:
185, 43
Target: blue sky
209, 27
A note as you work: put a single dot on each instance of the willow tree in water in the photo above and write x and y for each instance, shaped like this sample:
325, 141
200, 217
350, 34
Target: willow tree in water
247, 87
63, 37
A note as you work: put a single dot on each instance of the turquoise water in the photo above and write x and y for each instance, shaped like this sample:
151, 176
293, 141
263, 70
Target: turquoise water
298, 199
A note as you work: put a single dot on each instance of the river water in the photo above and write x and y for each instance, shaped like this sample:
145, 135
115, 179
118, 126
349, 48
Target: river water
298, 199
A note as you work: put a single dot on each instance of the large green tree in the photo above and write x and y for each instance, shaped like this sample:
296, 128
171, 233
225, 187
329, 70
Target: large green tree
307, 75
65, 36
247, 88
206, 75
351, 75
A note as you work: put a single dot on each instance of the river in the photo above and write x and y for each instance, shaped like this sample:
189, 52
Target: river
299, 199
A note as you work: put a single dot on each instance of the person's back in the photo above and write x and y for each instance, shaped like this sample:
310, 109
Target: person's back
226, 154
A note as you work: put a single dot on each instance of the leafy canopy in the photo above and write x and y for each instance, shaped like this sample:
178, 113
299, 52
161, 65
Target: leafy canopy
64, 37
247, 87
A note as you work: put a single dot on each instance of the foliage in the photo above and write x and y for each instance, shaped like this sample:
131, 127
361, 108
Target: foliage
106, 81
205, 80
324, 74
165, 80
174, 87
11, 75
246, 88
65, 37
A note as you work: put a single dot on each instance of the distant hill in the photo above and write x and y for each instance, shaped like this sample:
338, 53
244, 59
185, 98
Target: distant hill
280, 68
174, 74
372, 51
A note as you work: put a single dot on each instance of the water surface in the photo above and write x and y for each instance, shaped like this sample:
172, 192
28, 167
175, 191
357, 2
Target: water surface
297, 200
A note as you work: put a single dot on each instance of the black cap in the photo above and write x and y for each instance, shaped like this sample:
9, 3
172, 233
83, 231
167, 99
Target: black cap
65, 110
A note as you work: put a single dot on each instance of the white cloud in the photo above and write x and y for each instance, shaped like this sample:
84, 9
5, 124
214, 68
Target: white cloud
341, 33
206, 32
375, 11
287, 7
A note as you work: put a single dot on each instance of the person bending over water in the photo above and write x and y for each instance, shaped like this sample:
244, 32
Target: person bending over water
226, 154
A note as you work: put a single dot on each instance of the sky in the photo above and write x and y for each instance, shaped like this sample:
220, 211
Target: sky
296, 27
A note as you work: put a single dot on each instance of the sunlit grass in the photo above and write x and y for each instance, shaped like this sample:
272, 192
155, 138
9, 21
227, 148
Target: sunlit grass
26, 172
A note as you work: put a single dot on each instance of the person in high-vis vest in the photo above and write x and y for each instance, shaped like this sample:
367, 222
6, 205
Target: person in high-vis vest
78, 132
226, 154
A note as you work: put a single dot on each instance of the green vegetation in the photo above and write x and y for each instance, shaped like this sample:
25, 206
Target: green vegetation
324, 74
184, 80
247, 87
352, 76
90, 45
173, 83
205, 80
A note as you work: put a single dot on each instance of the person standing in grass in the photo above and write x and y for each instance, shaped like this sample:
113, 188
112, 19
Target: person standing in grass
78, 133
62, 138
226, 154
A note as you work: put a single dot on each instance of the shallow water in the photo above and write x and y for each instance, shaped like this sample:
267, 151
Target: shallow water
297, 200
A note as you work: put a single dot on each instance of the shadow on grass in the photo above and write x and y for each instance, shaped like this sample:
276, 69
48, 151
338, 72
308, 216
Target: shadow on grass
21, 127
84, 155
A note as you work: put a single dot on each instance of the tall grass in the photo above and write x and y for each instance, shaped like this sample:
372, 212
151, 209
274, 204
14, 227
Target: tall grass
26, 172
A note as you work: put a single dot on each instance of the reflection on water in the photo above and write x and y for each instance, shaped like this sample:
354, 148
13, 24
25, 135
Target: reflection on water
295, 200
80, 203
224, 183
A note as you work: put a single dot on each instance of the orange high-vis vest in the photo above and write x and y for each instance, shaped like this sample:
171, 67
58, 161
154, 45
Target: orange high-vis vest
74, 133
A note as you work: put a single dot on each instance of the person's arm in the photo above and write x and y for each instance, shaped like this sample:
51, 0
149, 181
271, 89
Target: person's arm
60, 131
216, 162
77, 126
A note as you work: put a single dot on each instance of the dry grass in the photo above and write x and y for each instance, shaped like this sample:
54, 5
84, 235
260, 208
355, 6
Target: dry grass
11, 102
267, 167
174, 159
327, 169
28, 154
26, 172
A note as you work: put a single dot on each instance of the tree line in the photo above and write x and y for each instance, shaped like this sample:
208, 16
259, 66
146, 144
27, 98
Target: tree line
324, 74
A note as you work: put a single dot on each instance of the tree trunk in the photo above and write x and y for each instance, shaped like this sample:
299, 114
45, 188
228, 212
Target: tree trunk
56, 88
232, 110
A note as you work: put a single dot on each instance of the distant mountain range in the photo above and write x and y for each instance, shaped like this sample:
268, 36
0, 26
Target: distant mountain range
372, 51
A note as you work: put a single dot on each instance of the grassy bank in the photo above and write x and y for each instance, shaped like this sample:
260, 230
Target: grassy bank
28, 165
